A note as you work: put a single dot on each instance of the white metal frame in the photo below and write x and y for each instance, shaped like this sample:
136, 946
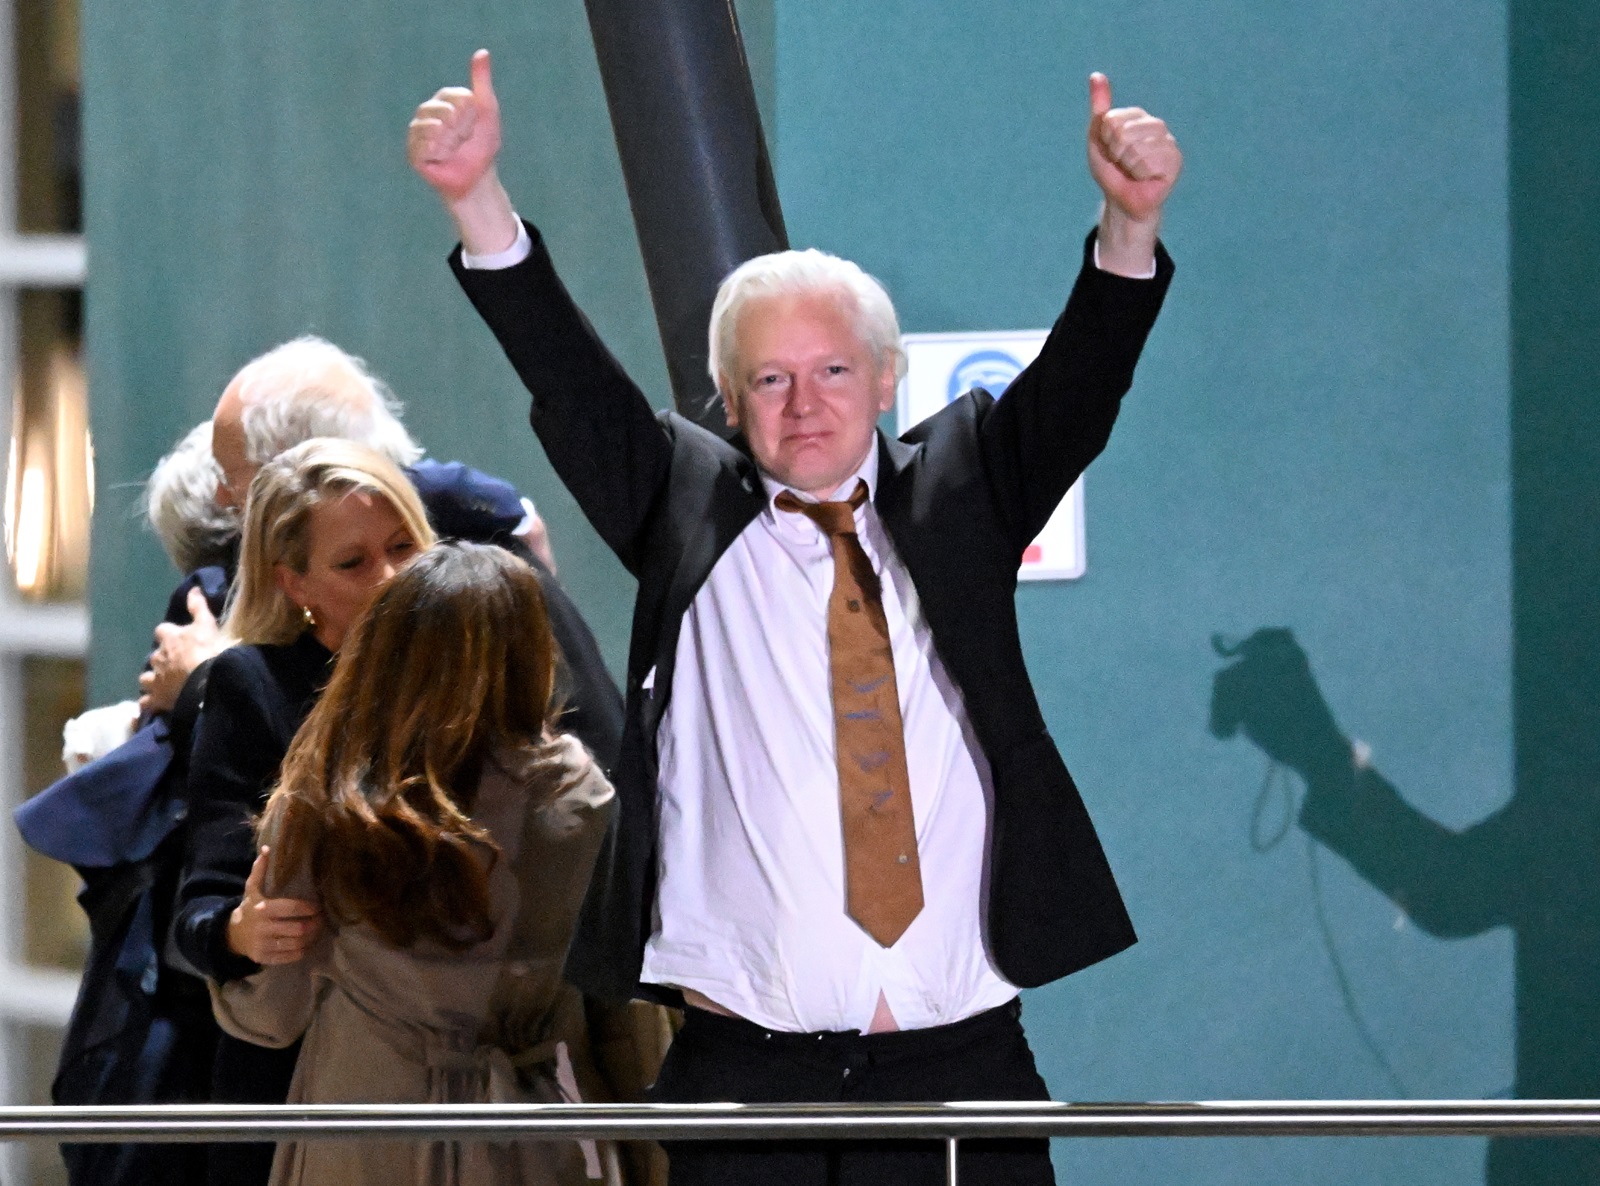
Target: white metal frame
29, 996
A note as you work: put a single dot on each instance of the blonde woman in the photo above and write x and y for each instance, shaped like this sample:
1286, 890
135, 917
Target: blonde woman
326, 524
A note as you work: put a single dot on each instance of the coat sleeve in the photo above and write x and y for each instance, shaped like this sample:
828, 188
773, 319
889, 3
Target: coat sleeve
596, 426
273, 1006
234, 762
1056, 416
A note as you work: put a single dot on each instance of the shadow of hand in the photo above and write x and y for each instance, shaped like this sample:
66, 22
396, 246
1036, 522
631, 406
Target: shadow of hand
1269, 695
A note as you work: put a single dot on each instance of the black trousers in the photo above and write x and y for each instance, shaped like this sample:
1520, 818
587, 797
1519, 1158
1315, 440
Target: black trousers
242, 1073
986, 1057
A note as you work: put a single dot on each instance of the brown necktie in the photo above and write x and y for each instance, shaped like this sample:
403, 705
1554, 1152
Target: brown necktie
883, 879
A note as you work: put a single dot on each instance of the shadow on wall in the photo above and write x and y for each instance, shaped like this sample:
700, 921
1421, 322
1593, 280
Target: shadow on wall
1533, 866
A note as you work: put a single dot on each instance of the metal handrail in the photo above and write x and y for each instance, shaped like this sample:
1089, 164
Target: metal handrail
949, 1122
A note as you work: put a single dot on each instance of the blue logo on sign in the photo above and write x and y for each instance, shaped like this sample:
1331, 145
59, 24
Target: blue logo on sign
991, 370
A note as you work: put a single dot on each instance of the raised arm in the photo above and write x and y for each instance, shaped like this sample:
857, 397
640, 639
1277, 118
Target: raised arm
598, 429
1057, 414
1135, 161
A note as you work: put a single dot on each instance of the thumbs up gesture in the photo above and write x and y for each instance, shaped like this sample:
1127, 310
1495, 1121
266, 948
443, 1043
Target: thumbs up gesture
452, 141
454, 137
1133, 158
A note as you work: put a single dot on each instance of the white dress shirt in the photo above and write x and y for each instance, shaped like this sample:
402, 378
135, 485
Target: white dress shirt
750, 903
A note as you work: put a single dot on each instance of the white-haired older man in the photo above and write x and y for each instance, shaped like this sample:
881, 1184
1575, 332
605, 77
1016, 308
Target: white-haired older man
309, 387
845, 836
305, 388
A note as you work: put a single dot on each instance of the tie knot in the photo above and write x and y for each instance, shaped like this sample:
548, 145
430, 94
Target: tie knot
834, 518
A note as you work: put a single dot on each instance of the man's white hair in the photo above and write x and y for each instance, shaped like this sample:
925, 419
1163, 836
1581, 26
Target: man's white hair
180, 501
308, 387
801, 273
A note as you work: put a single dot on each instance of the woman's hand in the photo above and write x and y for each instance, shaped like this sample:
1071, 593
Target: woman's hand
271, 930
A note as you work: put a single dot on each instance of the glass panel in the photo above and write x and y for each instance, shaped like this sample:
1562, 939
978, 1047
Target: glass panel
49, 175
55, 932
49, 492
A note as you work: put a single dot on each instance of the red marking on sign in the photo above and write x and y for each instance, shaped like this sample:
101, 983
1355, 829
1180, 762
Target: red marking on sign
1033, 554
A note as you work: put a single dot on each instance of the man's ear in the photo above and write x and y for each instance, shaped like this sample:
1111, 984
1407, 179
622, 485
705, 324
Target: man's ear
888, 385
730, 404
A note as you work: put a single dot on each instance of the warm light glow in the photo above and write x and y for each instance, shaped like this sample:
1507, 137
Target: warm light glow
49, 494
67, 539
31, 514
12, 477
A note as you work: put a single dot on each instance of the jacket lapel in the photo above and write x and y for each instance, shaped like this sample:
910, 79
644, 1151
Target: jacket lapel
717, 494
894, 500
726, 499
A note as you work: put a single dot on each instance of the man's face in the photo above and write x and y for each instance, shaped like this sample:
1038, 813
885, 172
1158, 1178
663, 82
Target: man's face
227, 446
807, 395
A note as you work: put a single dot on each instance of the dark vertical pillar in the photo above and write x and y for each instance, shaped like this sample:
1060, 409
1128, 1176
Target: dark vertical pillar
1555, 376
1554, 138
695, 162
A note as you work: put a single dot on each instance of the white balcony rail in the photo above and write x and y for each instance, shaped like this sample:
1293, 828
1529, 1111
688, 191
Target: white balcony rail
950, 1122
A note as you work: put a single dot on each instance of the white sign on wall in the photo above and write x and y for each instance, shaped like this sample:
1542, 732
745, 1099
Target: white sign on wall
943, 367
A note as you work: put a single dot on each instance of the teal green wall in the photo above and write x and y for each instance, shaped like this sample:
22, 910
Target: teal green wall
1318, 439
247, 182
1382, 300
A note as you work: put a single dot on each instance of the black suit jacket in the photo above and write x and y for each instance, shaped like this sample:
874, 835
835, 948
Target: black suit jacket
961, 495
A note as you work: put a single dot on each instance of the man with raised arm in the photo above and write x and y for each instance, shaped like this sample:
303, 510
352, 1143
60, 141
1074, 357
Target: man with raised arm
846, 837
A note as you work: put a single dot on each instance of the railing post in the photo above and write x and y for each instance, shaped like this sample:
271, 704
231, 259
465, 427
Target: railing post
951, 1171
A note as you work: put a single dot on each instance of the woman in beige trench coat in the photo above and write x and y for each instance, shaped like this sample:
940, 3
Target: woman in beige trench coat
447, 840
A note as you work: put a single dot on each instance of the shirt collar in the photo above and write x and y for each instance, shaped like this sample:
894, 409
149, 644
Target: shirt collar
868, 473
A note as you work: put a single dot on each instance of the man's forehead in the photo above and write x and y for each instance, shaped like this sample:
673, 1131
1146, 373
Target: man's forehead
783, 321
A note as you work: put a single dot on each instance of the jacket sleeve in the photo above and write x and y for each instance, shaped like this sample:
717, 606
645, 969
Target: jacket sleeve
233, 764
1056, 416
596, 426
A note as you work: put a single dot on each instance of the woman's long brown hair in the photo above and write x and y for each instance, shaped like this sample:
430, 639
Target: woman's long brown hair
453, 662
